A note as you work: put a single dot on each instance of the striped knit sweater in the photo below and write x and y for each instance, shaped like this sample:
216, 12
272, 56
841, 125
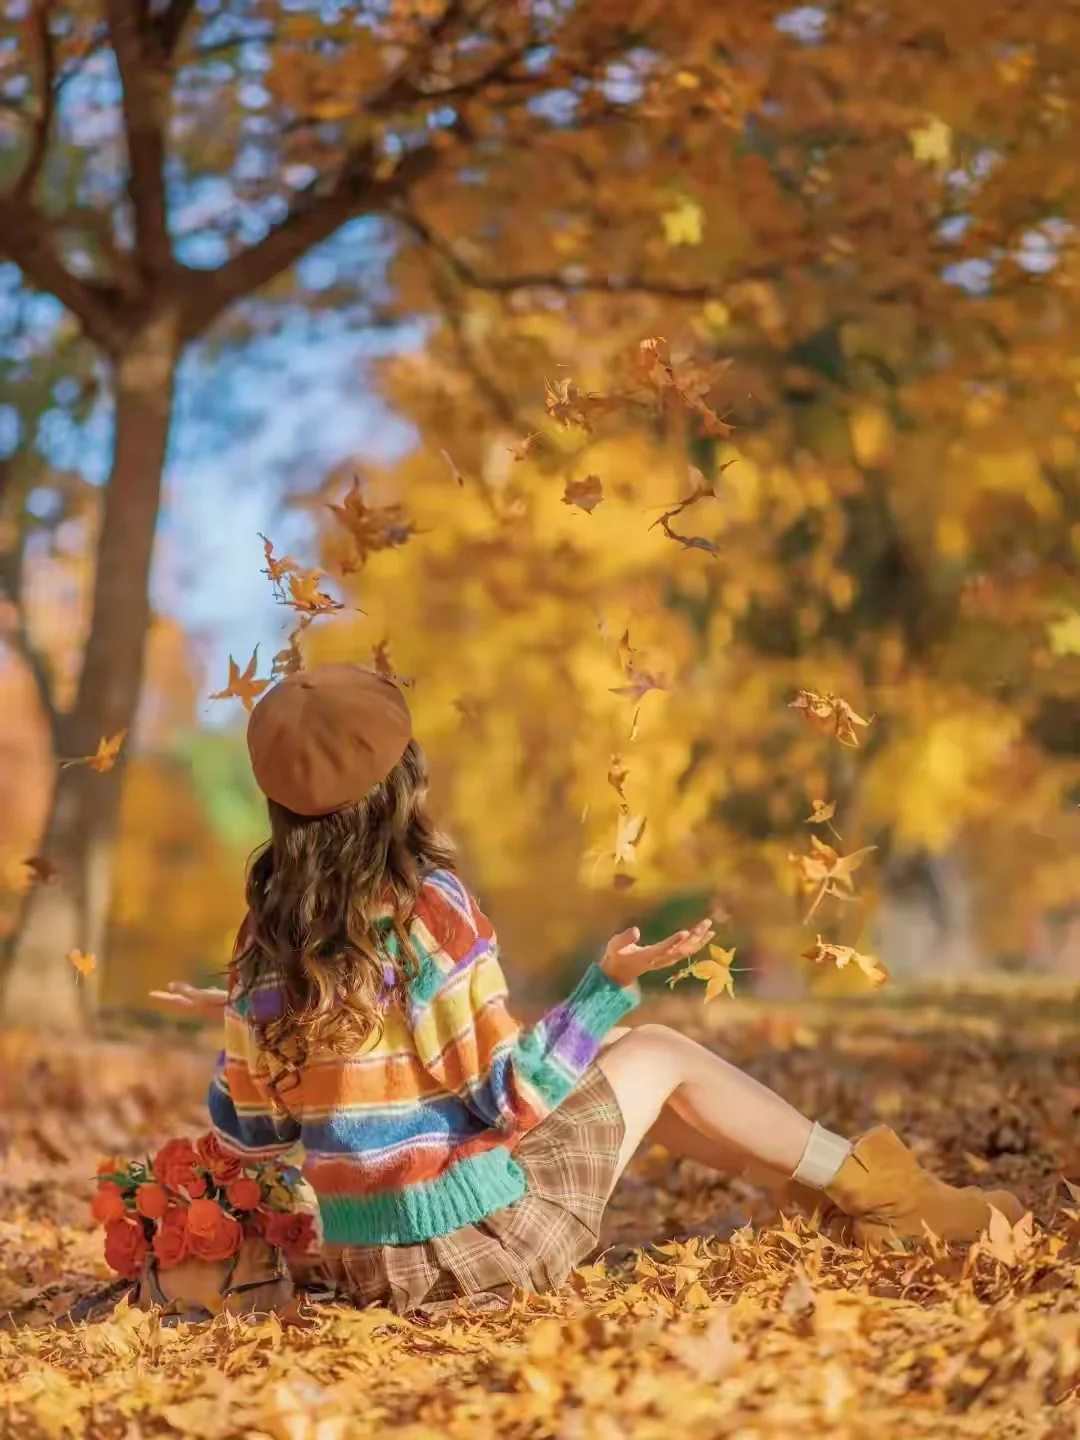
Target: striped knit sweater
413, 1136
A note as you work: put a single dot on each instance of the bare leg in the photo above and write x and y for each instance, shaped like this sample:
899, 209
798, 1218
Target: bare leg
735, 1120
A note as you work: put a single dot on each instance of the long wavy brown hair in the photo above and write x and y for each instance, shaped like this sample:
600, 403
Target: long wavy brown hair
316, 892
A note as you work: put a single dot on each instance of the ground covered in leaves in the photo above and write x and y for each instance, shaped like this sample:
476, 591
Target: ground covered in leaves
708, 1311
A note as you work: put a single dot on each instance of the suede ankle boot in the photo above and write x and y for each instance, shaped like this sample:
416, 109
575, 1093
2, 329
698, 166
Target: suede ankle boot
888, 1196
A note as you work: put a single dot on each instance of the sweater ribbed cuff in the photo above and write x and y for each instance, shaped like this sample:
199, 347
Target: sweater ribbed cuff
598, 1002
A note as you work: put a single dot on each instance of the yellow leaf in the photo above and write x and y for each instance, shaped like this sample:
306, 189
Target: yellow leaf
1064, 634
84, 964
684, 223
630, 830
931, 143
242, 685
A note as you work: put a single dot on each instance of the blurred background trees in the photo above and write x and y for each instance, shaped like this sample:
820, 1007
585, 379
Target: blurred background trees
856, 223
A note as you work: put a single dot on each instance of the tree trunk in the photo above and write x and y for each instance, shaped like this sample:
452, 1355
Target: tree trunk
40, 986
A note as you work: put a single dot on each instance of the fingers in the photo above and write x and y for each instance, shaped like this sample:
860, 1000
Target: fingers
681, 945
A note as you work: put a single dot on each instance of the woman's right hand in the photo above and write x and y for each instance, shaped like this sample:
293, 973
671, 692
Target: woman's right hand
625, 961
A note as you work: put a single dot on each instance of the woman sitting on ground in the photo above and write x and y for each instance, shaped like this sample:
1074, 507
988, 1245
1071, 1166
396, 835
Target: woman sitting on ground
454, 1154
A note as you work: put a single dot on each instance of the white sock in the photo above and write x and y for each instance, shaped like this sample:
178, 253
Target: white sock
824, 1154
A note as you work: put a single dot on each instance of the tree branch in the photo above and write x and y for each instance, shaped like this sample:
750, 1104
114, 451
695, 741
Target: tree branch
315, 216
144, 84
39, 145
551, 280
25, 240
170, 25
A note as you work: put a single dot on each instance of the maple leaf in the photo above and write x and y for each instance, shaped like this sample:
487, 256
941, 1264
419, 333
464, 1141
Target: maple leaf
243, 685
370, 527
84, 964
831, 715
823, 953
524, 448
715, 971
586, 494
568, 406
617, 775
827, 871
306, 597
823, 814
42, 869
1010, 1245
628, 834
639, 681
277, 569
289, 660
104, 757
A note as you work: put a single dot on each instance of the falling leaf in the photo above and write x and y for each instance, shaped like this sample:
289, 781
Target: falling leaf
42, 869
305, 595
289, 660
524, 448
84, 964
718, 911
639, 681
711, 1353
684, 223
586, 494
617, 775
627, 836
715, 971
107, 752
621, 881
823, 814
568, 406
371, 528
831, 715
827, 872
455, 473
277, 570
843, 955
243, 686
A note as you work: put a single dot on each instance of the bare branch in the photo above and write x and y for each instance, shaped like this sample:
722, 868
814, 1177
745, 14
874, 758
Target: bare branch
144, 84
46, 56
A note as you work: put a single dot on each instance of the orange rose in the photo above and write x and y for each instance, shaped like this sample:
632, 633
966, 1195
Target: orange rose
223, 1244
174, 1167
204, 1217
171, 1237
151, 1201
243, 1193
222, 1164
125, 1247
291, 1233
108, 1204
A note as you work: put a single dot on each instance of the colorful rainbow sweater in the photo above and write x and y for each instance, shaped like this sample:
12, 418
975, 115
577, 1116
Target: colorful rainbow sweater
413, 1137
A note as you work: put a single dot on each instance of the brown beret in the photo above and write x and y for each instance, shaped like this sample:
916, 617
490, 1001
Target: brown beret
322, 738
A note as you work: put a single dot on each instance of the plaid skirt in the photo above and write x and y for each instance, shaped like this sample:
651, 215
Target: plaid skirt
569, 1162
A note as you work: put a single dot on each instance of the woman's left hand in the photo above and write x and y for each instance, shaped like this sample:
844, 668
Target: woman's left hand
188, 999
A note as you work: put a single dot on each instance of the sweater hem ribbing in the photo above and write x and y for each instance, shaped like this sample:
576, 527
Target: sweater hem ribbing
468, 1192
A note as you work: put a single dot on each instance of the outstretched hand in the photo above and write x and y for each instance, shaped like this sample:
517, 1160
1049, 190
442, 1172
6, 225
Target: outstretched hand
208, 1004
624, 960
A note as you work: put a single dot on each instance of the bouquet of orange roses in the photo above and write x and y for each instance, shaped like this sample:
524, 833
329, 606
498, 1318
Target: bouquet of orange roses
197, 1208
